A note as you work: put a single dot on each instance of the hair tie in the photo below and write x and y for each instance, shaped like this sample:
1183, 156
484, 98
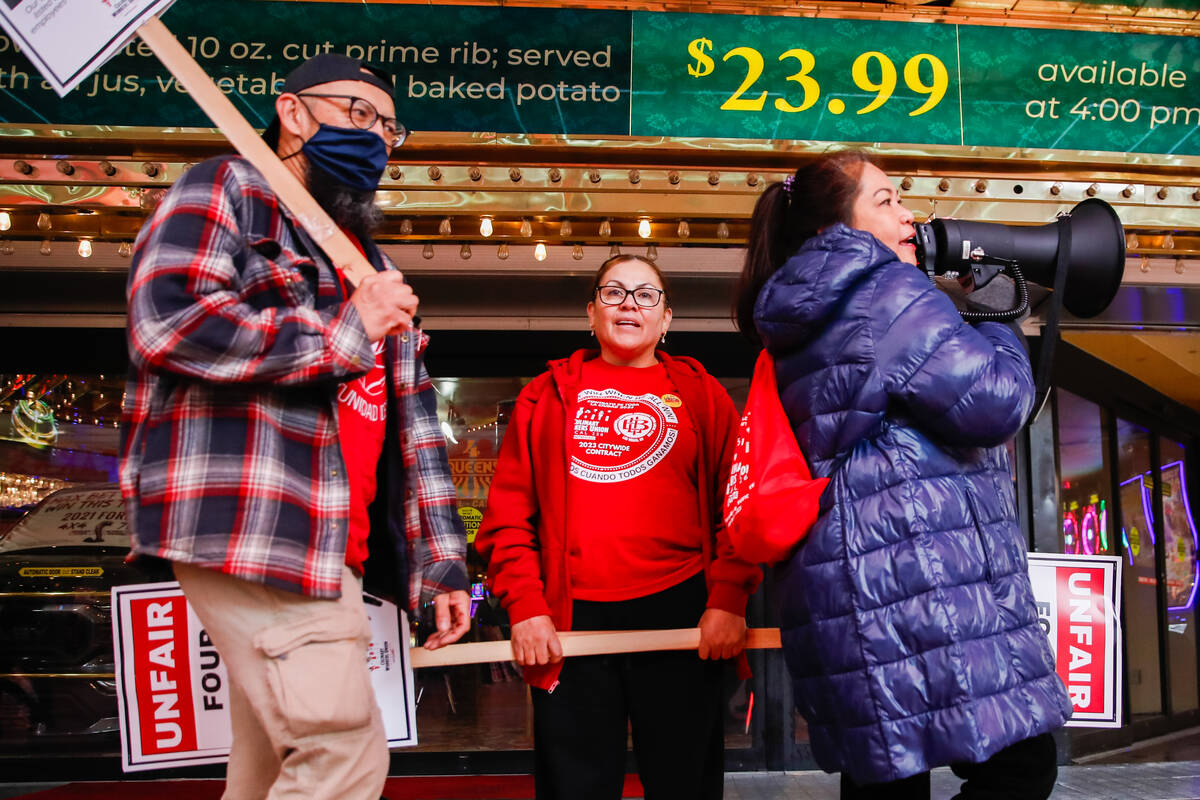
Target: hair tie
787, 183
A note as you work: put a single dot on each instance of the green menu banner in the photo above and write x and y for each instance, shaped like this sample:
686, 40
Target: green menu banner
1084, 91
791, 78
849, 80
456, 68
605, 73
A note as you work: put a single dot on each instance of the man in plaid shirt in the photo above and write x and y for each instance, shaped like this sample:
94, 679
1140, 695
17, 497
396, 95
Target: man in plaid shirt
269, 405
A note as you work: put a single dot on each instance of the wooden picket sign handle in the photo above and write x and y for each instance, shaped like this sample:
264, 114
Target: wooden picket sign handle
344, 255
586, 643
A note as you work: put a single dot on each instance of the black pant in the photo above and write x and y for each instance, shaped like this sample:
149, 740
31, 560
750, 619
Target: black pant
1022, 771
672, 699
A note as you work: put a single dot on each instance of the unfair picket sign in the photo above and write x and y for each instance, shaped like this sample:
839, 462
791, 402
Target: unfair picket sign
173, 692
1078, 602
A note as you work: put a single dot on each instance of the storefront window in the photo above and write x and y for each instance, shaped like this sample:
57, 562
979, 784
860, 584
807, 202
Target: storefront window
58, 431
56, 672
1140, 586
1086, 491
1179, 547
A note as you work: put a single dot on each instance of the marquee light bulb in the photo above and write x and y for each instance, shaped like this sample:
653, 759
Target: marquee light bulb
5, 220
644, 228
539, 251
85, 248
427, 251
485, 227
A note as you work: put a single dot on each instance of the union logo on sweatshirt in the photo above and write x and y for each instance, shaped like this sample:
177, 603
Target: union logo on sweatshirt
617, 436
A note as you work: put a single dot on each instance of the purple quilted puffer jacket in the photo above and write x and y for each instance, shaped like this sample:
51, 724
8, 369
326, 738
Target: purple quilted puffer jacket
909, 626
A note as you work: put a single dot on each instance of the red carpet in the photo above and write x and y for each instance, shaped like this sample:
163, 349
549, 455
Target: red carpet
469, 787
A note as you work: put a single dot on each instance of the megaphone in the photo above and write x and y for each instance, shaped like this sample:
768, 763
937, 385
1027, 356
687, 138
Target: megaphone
1095, 261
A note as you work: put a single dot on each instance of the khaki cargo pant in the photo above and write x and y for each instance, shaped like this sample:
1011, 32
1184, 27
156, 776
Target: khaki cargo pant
305, 721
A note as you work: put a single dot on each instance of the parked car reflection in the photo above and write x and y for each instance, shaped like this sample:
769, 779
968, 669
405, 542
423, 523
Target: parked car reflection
57, 565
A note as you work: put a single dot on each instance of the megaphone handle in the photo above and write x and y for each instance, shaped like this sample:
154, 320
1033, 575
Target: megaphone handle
1014, 313
1050, 329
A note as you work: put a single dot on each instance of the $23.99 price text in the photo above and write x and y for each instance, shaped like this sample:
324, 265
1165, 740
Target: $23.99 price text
872, 71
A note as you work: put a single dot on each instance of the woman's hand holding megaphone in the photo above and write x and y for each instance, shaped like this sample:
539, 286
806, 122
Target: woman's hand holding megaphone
952, 288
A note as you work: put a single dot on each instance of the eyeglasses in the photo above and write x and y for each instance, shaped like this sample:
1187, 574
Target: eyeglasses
364, 115
644, 296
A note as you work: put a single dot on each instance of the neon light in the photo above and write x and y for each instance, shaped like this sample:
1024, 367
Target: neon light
1148, 515
1187, 516
33, 420
1071, 536
1104, 527
1145, 503
1088, 534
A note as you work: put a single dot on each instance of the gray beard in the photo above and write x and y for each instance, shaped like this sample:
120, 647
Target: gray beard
351, 209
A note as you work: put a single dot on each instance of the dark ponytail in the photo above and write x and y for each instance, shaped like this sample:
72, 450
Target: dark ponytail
819, 194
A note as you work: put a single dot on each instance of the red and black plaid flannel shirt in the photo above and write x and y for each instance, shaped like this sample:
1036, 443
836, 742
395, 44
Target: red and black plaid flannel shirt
238, 339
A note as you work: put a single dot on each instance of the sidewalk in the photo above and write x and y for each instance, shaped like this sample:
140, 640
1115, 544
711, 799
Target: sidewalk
1178, 780
1167, 768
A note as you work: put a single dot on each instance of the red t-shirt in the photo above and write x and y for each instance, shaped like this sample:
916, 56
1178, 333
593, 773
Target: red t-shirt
632, 494
362, 428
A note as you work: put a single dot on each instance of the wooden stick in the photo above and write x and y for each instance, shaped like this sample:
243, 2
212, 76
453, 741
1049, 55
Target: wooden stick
242, 136
586, 643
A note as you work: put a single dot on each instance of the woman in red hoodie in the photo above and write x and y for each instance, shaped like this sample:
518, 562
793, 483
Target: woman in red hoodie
605, 514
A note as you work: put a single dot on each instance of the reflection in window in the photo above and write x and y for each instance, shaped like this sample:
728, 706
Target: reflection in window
1179, 547
483, 706
1086, 487
56, 430
1139, 580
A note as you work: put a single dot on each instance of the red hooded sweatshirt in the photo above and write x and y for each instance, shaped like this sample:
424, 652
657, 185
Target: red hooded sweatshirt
526, 536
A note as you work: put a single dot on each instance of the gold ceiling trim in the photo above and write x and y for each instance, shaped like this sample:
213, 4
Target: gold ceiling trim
135, 151
65, 183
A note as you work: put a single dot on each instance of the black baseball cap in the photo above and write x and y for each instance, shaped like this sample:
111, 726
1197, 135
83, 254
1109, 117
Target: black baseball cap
324, 68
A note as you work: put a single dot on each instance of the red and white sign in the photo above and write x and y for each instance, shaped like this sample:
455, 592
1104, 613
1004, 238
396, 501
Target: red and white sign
173, 692
618, 436
1078, 602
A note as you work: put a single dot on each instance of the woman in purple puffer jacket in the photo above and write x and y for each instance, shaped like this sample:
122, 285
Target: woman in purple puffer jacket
908, 620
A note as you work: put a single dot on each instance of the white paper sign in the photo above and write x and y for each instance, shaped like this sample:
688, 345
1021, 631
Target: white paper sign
67, 40
173, 692
1079, 607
